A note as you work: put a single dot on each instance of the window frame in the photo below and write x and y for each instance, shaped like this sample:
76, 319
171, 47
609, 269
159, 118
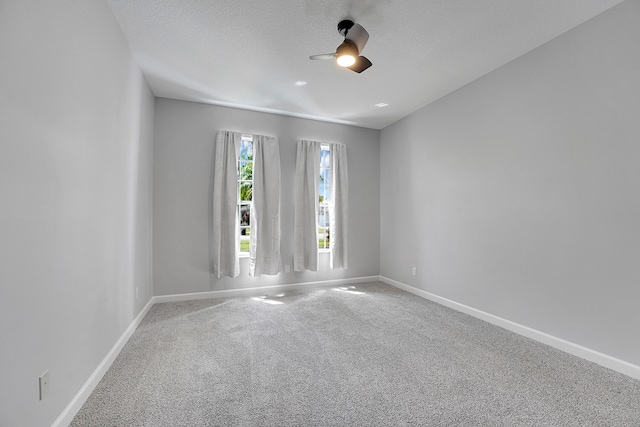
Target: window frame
324, 205
246, 138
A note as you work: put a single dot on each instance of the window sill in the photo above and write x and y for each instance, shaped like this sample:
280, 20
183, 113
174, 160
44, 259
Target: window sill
246, 254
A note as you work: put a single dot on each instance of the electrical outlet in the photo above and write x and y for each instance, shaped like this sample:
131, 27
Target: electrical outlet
414, 271
137, 292
44, 384
287, 269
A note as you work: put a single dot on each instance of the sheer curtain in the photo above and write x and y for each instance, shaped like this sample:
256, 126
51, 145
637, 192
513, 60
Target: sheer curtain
305, 221
339, 207
264, 255
226, 228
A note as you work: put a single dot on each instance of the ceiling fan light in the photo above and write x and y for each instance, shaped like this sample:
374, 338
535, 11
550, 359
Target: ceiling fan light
346, 54
346, 60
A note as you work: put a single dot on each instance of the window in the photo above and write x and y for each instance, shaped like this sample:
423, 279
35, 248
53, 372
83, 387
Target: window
245, 190
321, 205
324, 192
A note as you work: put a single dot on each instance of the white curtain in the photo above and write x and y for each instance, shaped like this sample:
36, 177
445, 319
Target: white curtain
264, 255
226, 228
305, 221
339, 207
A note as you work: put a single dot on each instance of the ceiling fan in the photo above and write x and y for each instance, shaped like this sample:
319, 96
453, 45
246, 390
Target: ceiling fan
348, 53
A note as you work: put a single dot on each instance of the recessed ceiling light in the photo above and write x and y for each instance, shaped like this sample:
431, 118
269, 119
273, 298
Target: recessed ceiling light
300, 83
381, 104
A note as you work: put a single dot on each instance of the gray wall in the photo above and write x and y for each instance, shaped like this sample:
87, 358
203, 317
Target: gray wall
76, 123
183, 153
518, 195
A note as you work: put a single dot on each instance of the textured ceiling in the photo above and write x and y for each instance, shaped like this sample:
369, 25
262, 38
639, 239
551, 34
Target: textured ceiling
250, 53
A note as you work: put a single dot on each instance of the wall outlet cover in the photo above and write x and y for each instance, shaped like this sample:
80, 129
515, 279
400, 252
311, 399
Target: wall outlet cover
44, 384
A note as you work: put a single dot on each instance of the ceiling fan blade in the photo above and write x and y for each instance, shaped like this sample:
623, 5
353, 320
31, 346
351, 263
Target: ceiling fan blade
360, 65
358, 35
323, 56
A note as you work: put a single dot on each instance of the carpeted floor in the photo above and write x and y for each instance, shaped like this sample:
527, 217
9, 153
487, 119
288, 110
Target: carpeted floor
363, 355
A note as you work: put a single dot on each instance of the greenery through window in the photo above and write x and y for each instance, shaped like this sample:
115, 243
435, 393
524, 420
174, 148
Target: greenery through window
245, 190
324, 191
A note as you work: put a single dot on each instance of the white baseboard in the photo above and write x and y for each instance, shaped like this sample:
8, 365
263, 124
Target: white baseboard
78, 400
229, 293
607, 361
601, 359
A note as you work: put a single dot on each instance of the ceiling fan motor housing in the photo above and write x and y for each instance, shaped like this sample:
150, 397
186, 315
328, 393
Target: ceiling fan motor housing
344, 26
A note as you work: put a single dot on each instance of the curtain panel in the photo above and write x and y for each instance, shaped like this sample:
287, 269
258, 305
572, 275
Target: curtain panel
339, 207
264, 255
305, 221
226, 227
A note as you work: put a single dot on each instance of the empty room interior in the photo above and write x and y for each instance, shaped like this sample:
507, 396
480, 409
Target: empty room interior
207, 218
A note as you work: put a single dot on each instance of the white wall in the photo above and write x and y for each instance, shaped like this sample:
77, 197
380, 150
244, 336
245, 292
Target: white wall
184, 138
518, 195
76, 123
